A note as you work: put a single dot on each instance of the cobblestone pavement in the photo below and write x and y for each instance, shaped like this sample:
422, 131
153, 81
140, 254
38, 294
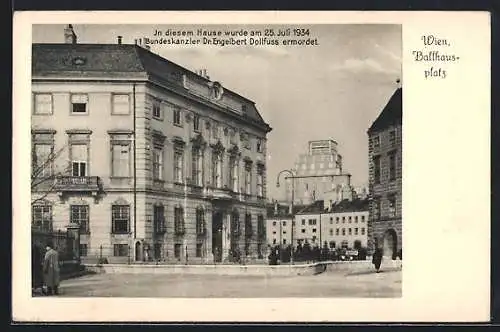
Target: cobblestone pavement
360, 284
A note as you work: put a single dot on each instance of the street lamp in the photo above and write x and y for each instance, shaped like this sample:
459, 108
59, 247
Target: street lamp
291, 176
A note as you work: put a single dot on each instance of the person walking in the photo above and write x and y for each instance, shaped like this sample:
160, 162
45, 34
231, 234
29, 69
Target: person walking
377, 259
51, 270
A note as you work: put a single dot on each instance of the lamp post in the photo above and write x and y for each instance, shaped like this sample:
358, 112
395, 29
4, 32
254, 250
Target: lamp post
291, 176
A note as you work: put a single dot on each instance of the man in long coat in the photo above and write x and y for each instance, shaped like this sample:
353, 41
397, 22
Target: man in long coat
377, 258
51, 270
36, 267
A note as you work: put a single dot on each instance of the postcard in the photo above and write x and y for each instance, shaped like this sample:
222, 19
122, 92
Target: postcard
256, 166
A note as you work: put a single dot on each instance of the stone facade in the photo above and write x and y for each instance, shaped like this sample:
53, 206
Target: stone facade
385, 178
140, 133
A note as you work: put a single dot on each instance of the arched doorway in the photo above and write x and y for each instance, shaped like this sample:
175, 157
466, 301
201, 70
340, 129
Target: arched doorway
390, 244
357, 244
217, 236
138, 251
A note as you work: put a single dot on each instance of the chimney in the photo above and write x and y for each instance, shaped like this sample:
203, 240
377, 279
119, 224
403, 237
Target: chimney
69, 35
119, 38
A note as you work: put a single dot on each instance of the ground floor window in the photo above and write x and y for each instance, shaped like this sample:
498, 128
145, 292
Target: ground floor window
345, 244
83, 249
120, 250
199, 250
177, 250
42, 217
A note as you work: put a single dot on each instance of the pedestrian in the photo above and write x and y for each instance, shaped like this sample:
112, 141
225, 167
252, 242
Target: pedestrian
36, 268
51, 270
377, 259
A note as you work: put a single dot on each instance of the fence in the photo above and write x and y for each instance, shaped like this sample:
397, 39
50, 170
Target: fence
61, 241
115, 254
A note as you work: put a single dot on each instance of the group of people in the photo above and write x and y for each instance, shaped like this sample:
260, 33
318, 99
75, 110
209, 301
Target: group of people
307, 253
45, 269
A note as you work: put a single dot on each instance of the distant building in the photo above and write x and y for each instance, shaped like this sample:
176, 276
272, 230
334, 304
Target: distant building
320, 175
385, 174
279, 223
342, 225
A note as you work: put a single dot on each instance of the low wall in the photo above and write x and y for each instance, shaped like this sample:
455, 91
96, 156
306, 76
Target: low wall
249, 270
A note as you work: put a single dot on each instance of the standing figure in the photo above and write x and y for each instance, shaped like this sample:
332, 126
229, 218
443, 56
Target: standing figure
51, 270
36, 267
377, 259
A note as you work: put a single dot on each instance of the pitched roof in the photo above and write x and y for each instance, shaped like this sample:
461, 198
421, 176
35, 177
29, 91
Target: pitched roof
283, 211
316, 207
351, 205
120, 61
392, 113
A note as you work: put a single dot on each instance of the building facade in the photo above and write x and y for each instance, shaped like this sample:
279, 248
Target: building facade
319, 175
153, 161
385, 177
342, 225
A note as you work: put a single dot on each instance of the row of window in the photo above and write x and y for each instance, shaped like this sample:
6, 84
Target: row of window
337, 231
121, 165
392, 139
217, 168
390, 203
349, 218
377, 167
123, 250
120, 220
332, 244
43, 105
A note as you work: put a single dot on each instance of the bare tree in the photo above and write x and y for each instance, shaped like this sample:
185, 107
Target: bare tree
44, 174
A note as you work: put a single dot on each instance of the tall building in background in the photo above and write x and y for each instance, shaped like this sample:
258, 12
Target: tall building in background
320, 175
385, 177
152, 160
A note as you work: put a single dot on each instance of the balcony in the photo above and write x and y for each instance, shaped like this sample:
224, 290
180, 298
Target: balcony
78, 184
219, 193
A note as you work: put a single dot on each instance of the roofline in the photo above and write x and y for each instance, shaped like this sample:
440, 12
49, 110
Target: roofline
261, 125
398, 123
136, 47
154, 54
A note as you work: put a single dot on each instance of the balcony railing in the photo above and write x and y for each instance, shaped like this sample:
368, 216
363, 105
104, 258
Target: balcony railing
77, 183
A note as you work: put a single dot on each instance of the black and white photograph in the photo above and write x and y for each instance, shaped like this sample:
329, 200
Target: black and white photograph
262, 166
216, 160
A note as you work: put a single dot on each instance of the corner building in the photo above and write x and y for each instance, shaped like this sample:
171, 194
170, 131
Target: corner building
385, 178
157, 162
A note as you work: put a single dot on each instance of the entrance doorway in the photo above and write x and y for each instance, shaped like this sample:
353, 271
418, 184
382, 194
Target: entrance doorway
138, 251
217, 235
390, 244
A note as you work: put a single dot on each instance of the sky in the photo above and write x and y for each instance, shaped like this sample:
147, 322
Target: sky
334, 90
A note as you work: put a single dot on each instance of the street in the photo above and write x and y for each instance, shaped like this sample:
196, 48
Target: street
360, 284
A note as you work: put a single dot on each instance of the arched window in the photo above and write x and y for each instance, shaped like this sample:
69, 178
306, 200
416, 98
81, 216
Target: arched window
235, 223
345, 244
179, 226
248, 225
332, 244
200, 221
